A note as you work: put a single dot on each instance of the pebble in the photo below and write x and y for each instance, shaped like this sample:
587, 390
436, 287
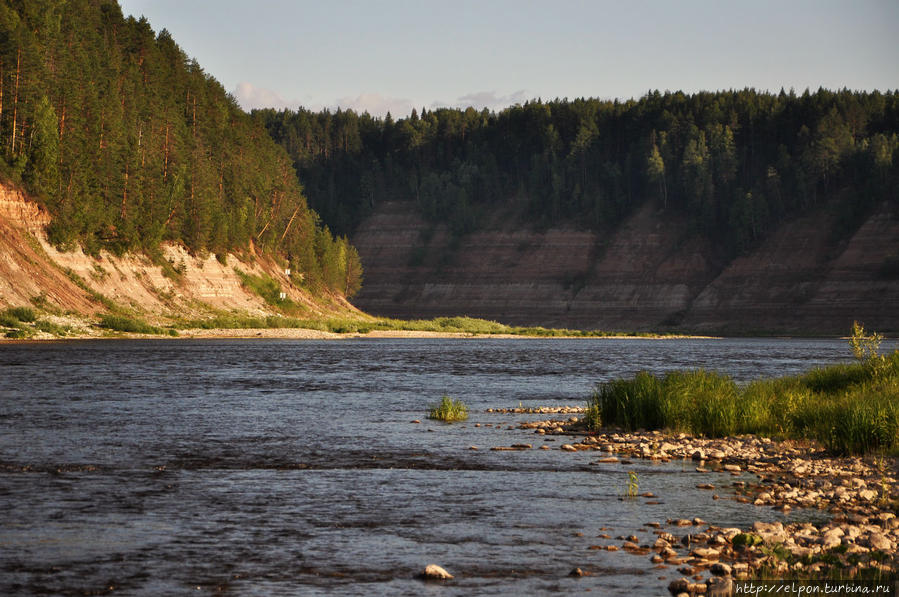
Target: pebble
789, 474
720, 569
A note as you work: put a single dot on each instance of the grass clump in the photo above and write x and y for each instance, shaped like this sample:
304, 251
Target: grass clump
449, 410
17, 320
747, 540
132, 325
269, 290
97, 297
633, 485
19, 333
23, 322
23, 314
697, 401
850, 408
15, 316
49, 327
8, 321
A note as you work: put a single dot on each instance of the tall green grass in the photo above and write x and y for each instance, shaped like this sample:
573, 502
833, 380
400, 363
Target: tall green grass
132, 325
449, 410
851, 409
16, 319
269, 290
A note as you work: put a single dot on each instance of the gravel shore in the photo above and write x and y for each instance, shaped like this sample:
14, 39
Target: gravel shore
858, 496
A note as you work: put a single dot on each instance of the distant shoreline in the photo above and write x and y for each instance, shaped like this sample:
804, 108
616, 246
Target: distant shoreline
310, 334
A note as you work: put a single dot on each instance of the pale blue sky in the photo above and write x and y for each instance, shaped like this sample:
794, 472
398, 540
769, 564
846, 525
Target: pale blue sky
395, 54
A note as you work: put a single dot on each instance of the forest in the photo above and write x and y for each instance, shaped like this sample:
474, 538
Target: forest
128, 143
732, 163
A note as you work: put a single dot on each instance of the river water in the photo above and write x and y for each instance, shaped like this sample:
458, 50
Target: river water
270, 467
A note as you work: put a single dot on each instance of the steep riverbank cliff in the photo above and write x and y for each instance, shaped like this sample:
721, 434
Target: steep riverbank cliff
178, 285
649, 274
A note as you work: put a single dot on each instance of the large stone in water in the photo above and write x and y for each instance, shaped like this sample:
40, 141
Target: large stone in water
435, 572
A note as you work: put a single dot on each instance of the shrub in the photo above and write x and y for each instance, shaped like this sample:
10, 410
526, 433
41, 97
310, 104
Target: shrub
18, 334
865, 348
131, 325
25, 314
52, 328
449, 410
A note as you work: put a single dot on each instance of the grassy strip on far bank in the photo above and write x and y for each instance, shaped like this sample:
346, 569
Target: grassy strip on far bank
457, 325
849, 408
132, 325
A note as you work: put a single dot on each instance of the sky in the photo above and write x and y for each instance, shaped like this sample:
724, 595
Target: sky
393, 55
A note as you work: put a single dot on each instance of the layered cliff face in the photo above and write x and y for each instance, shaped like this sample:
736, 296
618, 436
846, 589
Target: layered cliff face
32, 271
650, 274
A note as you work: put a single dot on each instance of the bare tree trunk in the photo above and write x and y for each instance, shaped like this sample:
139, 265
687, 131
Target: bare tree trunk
1, 94
62, 119
15, 103
289, 222
125, 193
165, 162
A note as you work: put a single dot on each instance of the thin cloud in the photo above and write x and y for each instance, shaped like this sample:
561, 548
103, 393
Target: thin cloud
251, 97
490, 100
377, 105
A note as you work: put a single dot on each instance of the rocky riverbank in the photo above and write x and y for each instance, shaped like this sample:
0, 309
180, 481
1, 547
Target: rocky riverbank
858, 498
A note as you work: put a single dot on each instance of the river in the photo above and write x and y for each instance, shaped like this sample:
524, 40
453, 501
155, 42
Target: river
274, 467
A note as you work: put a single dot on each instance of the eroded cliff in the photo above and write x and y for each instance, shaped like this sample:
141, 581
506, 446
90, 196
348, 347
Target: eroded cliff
650, 274
32, 271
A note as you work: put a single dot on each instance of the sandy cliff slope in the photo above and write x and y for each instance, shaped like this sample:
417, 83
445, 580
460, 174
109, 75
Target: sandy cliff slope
33, 271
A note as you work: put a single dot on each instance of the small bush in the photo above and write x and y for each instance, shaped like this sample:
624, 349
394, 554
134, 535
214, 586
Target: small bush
25, 314
131, 325
19, 334
52, 328
14, 315
449, 410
